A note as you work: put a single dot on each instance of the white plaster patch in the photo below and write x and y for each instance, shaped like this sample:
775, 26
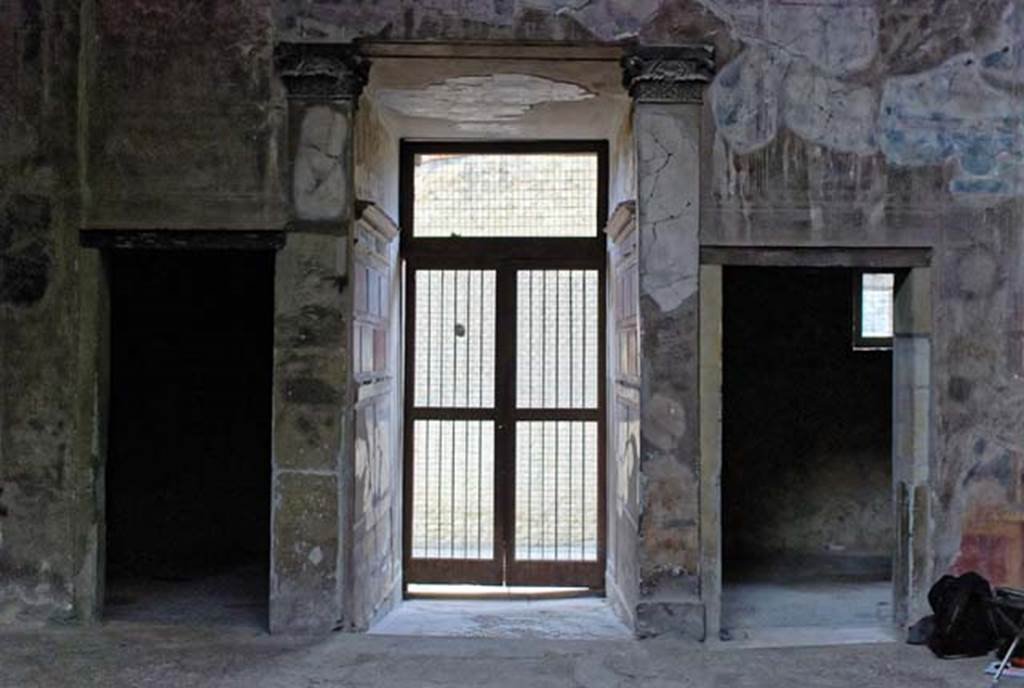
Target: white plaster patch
668, 160
625, 475
830, 112
316, 556
477, 101
319, 177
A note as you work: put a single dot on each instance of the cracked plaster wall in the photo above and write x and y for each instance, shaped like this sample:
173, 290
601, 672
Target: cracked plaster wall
857, 123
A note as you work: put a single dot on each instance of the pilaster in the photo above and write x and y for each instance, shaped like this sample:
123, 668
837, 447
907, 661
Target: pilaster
312, 335
667, 84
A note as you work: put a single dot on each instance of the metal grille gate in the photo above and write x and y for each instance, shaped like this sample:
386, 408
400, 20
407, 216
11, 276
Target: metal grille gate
504, 408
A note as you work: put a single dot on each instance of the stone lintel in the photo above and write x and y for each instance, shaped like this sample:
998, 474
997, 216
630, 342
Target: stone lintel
182, 239
668, 74
321, 71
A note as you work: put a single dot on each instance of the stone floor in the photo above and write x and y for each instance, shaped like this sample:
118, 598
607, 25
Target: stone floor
583, 618
231, 596
131, 654
773, 604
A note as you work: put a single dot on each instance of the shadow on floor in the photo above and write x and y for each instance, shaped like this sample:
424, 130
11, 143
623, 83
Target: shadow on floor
235, 597
765, 604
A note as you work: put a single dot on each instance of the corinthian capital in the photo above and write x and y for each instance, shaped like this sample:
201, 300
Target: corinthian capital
321, 71
674, 74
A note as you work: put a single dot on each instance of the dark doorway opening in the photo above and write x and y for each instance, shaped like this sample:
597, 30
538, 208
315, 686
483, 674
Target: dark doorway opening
188, 472
808, 529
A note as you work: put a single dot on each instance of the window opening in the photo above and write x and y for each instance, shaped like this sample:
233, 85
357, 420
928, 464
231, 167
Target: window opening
506, 194
873, 310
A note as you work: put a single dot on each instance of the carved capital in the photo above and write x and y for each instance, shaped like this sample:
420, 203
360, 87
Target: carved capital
676, 74
321, 71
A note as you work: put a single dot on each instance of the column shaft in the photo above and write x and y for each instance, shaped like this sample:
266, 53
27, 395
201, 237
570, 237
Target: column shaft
312, 396
666, 84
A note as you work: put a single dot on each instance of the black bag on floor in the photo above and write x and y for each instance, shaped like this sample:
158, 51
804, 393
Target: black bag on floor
963, 618
921, 632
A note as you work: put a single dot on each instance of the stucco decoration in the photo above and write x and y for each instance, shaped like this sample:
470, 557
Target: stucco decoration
965, 112
487, 104
321, 71
318, 185
676, 74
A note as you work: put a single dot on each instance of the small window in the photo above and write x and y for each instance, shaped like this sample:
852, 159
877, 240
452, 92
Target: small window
873, 310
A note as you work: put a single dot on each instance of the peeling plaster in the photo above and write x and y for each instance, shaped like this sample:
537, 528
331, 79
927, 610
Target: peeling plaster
483, 104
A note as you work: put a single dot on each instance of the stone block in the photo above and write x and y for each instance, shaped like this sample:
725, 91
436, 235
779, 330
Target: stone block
683, 618
304, 592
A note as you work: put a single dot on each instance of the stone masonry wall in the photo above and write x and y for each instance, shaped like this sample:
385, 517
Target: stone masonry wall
859, 123
48, 505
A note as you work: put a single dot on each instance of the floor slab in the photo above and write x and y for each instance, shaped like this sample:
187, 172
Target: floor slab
585, 618
229, 597
810, 636
775, 604
128, 654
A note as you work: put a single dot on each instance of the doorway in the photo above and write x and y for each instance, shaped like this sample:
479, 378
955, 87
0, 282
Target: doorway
808, 526
504, 409
188, 471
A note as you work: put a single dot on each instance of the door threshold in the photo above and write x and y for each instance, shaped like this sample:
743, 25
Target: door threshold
807, 636
430, 591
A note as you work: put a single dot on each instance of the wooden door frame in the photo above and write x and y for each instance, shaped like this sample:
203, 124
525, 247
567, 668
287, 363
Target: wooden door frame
505, 256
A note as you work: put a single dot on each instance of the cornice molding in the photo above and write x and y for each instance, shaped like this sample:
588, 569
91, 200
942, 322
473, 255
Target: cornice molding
321, 71
374, 218
668, 74
621, 221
